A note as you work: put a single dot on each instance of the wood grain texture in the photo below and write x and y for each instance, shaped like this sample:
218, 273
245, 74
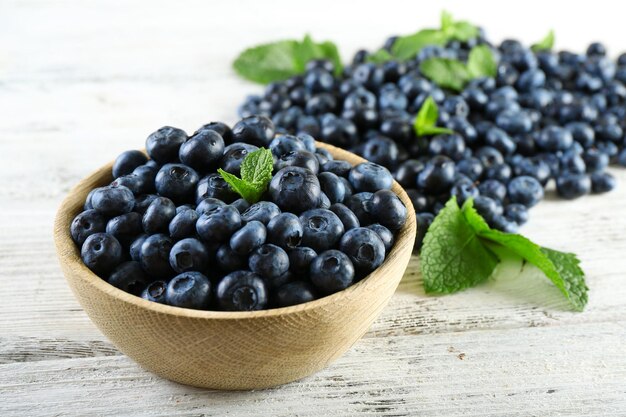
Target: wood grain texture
231, 350
81, 82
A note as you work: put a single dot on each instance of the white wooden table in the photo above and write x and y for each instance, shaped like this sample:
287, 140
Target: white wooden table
82, 81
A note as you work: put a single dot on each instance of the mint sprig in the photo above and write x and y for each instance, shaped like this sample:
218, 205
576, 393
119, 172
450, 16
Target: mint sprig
454, 74
256, 173
406, 47
460, 30
280, 60
546, 44
426, 119
460, 247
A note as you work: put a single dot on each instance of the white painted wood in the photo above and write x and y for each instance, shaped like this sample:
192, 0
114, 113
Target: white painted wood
82, 81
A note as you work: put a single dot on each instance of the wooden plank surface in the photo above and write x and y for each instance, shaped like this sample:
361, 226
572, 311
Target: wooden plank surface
82, 81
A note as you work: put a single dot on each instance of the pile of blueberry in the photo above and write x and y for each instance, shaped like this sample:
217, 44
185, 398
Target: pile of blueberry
545, 118
171, 230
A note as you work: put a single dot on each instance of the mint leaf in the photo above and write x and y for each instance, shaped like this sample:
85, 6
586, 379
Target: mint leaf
256, 173
561, 268
257, 166
380, 57
481, 62
447, 73
446, 21
460, 30
427, 118
406, 47
280, 60
546, 44
452, 257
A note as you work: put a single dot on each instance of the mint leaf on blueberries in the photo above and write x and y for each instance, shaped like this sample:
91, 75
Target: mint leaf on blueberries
379, 57
447, 73
453, 257
546, 44
256, 173
280, 60
406, 47
459, 241
481, 62
427, 118
457, 30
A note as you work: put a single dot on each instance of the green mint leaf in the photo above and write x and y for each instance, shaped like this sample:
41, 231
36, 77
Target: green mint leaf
256, 173
481, 62
447, 73
561, 268
280, 60
546, 44
453, 257
249, 191
406, 47
257, 167
424, 124
460, 30
380, 57
446, 21
267, 63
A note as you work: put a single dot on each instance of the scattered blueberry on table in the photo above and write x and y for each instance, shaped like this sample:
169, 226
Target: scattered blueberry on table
237, 219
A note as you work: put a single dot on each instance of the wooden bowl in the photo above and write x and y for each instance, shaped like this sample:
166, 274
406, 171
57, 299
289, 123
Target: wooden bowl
230, 350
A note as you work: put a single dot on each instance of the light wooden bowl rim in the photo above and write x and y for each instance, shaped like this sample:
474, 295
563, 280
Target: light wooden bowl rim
68, 254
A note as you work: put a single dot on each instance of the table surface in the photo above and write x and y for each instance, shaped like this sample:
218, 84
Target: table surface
82, 81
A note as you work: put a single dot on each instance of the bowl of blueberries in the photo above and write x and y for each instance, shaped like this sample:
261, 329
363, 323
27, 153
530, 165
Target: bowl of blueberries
235, 258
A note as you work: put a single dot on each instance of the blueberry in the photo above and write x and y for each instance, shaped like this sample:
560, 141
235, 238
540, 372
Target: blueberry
387, 209
525, 190
407, 172
471, 167
318, 80
222, 129
134, 182
339, 168
135, 247
338, 131
489, 156
154, 256
283, 144
263, 211
517, 213
370, 177
381, 150
537, 168
500, 140
602, 182
493, 189
218, 225
332, 186
214, 186
208, 205
499, 172
423, 220
554, 138
295, 189
113, 201
189, 255
183, 224
228, 260
420, 201
437, 175
248, 238
255, 130
451, 146
464, 189
573, 163
347, 216
189, 290
164, 144
359, 205
499, 222
302, 159
158, 215
570, 186
234, 155
125, 227
128, 277
300, 259
384, 234
155, 291
364, 248
127, 162
241, 291
285, 230
176, 182
202, 151
269, 261
369, 75
86, 224
332, 271
487, 207
101, 253
241, 205
142, 202
320, 104
322, 229
293, 293
397, 128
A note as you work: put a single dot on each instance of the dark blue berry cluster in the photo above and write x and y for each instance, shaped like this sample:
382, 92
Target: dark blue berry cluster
171, 230
544, 118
